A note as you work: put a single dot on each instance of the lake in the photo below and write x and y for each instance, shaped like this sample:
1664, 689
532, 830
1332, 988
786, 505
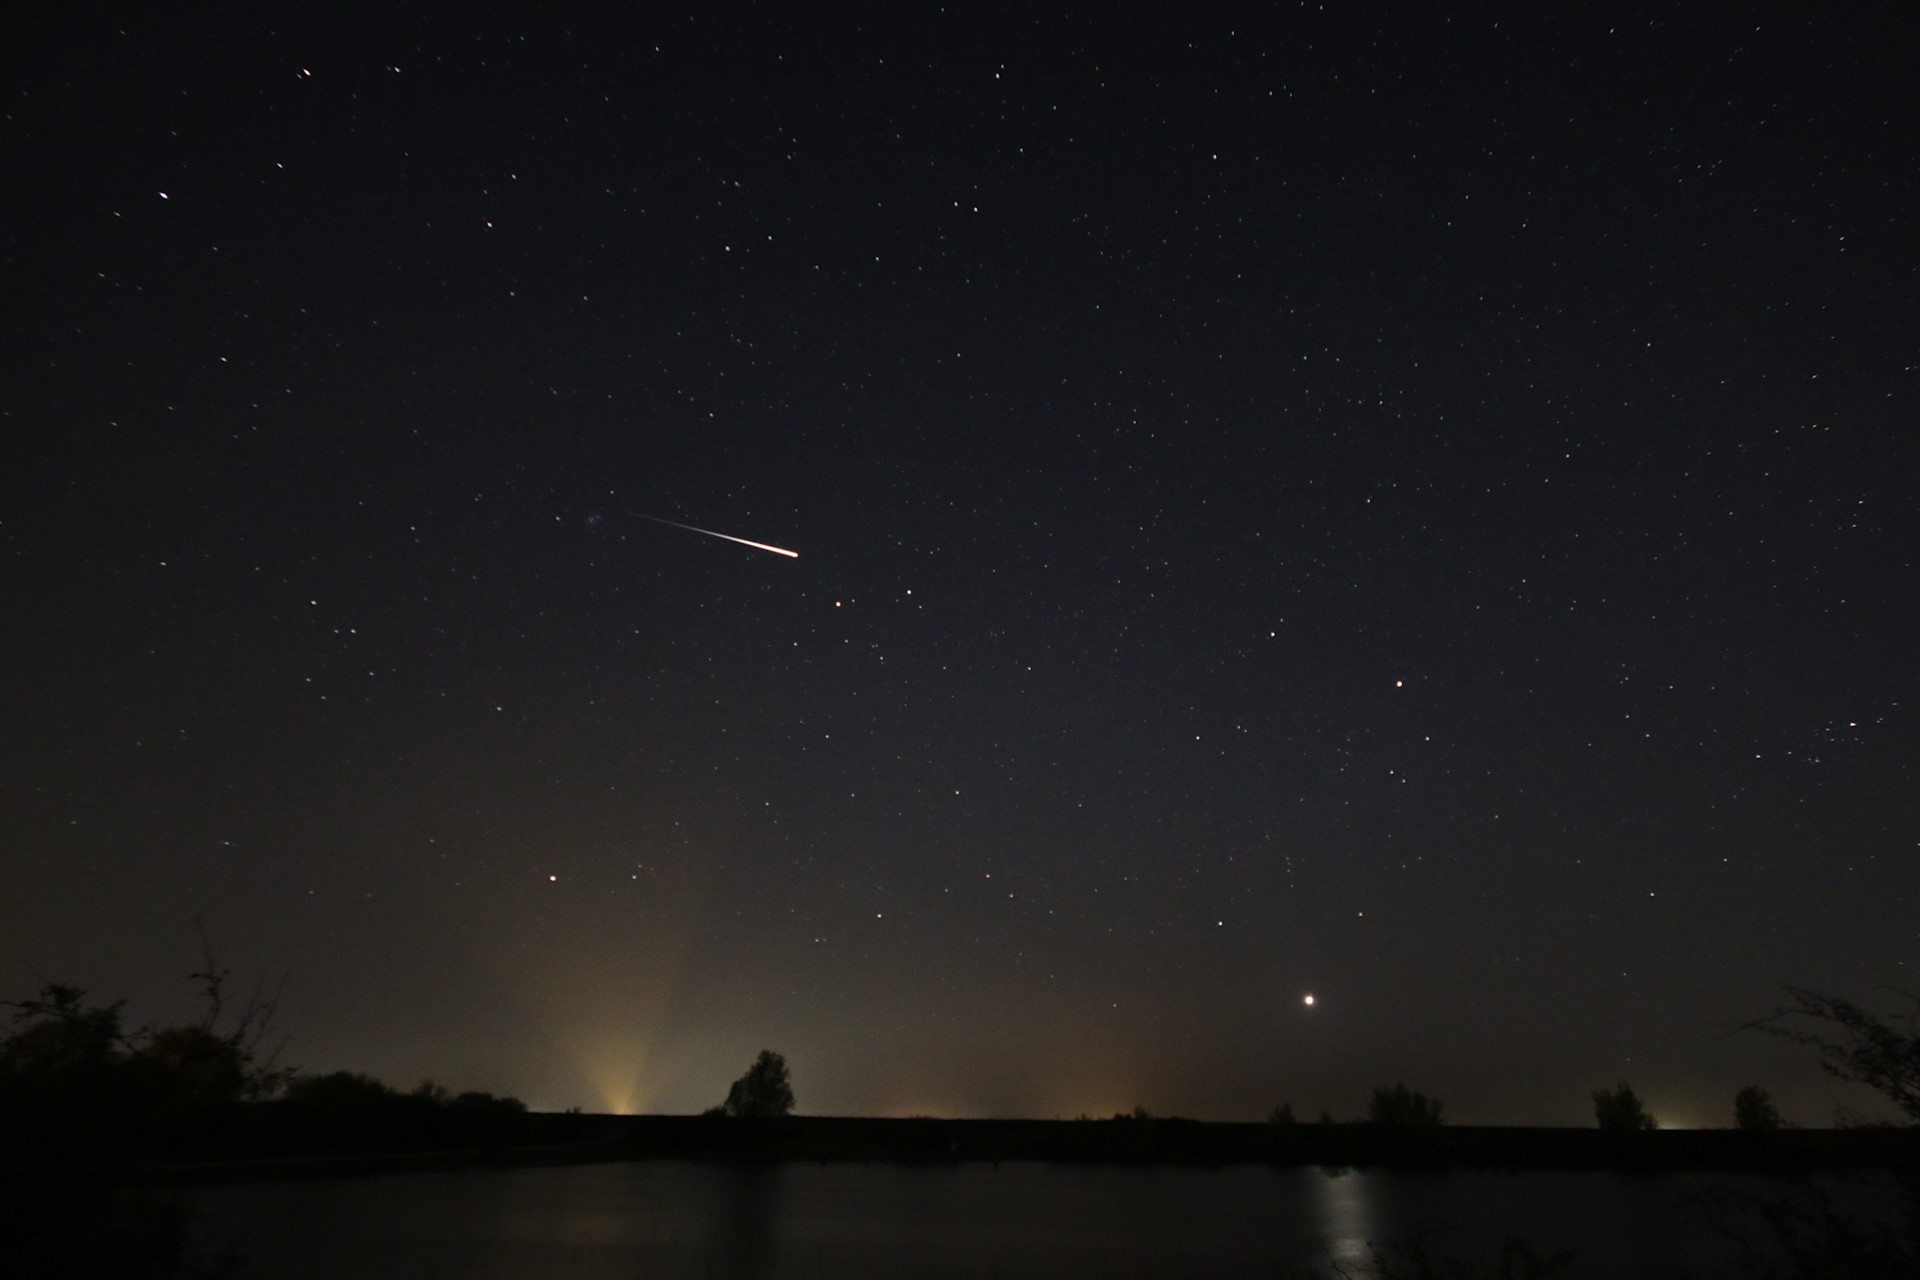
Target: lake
669, 1219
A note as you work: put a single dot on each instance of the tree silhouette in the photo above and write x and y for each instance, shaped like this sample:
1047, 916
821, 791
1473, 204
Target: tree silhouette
1399, 1105
56, 1034
1620, 1109
1753, 1110
1881, 1053
764, 1091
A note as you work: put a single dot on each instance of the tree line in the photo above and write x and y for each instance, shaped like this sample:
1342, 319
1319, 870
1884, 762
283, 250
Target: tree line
1850, 1043
78, 1084
84, 1096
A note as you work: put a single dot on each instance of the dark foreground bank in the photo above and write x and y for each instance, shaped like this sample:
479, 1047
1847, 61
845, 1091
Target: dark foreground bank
537, 1138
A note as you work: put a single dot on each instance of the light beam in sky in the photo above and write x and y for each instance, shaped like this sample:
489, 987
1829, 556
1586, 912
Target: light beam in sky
779, 551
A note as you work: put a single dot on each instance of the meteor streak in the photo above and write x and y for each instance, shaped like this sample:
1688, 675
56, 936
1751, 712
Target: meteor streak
779, 551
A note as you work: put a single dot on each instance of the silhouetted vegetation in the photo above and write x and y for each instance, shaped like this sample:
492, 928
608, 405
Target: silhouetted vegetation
77, 1084
347, 1112
1754, 1112
1804, 1235
80, 1096
1619, 1109
764, 1091
86, 1101
1855, 1045
1398, 1105
74, 1079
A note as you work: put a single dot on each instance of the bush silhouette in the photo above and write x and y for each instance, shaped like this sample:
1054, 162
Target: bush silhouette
72, 1085
338, 1091
1621, 1110
764, 1091
206, 1069
83, 1099
57, 1034
1399, 1105
1753, 1110
79, 1099
347, 1111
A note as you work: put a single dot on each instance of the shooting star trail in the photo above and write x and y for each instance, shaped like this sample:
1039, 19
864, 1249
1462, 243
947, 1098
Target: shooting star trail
779, 551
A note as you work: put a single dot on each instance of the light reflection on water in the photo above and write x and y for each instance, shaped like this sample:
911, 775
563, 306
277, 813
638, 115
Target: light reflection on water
1341, 1205
672, 1220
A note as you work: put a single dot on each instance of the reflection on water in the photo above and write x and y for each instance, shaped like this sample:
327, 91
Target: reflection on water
671, 1220
1340, 1201
743, 1239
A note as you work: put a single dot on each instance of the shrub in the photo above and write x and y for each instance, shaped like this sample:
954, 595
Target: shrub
1621, 1110
1753, 1110
1399, 1105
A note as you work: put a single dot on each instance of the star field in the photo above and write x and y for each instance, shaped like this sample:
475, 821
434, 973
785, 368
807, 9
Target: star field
1404, 509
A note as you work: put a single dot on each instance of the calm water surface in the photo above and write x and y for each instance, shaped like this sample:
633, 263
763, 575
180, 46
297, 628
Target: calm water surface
672, 1219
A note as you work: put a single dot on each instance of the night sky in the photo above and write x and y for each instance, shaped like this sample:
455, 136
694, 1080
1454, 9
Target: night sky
1408, 507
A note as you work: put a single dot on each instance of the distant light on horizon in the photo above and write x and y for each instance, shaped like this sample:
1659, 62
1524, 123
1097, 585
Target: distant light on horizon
1308, 999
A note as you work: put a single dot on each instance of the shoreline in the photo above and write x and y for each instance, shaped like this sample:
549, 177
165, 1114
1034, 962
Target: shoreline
574, 1138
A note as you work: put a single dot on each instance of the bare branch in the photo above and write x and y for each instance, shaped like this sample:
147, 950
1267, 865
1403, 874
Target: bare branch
1853, 1044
